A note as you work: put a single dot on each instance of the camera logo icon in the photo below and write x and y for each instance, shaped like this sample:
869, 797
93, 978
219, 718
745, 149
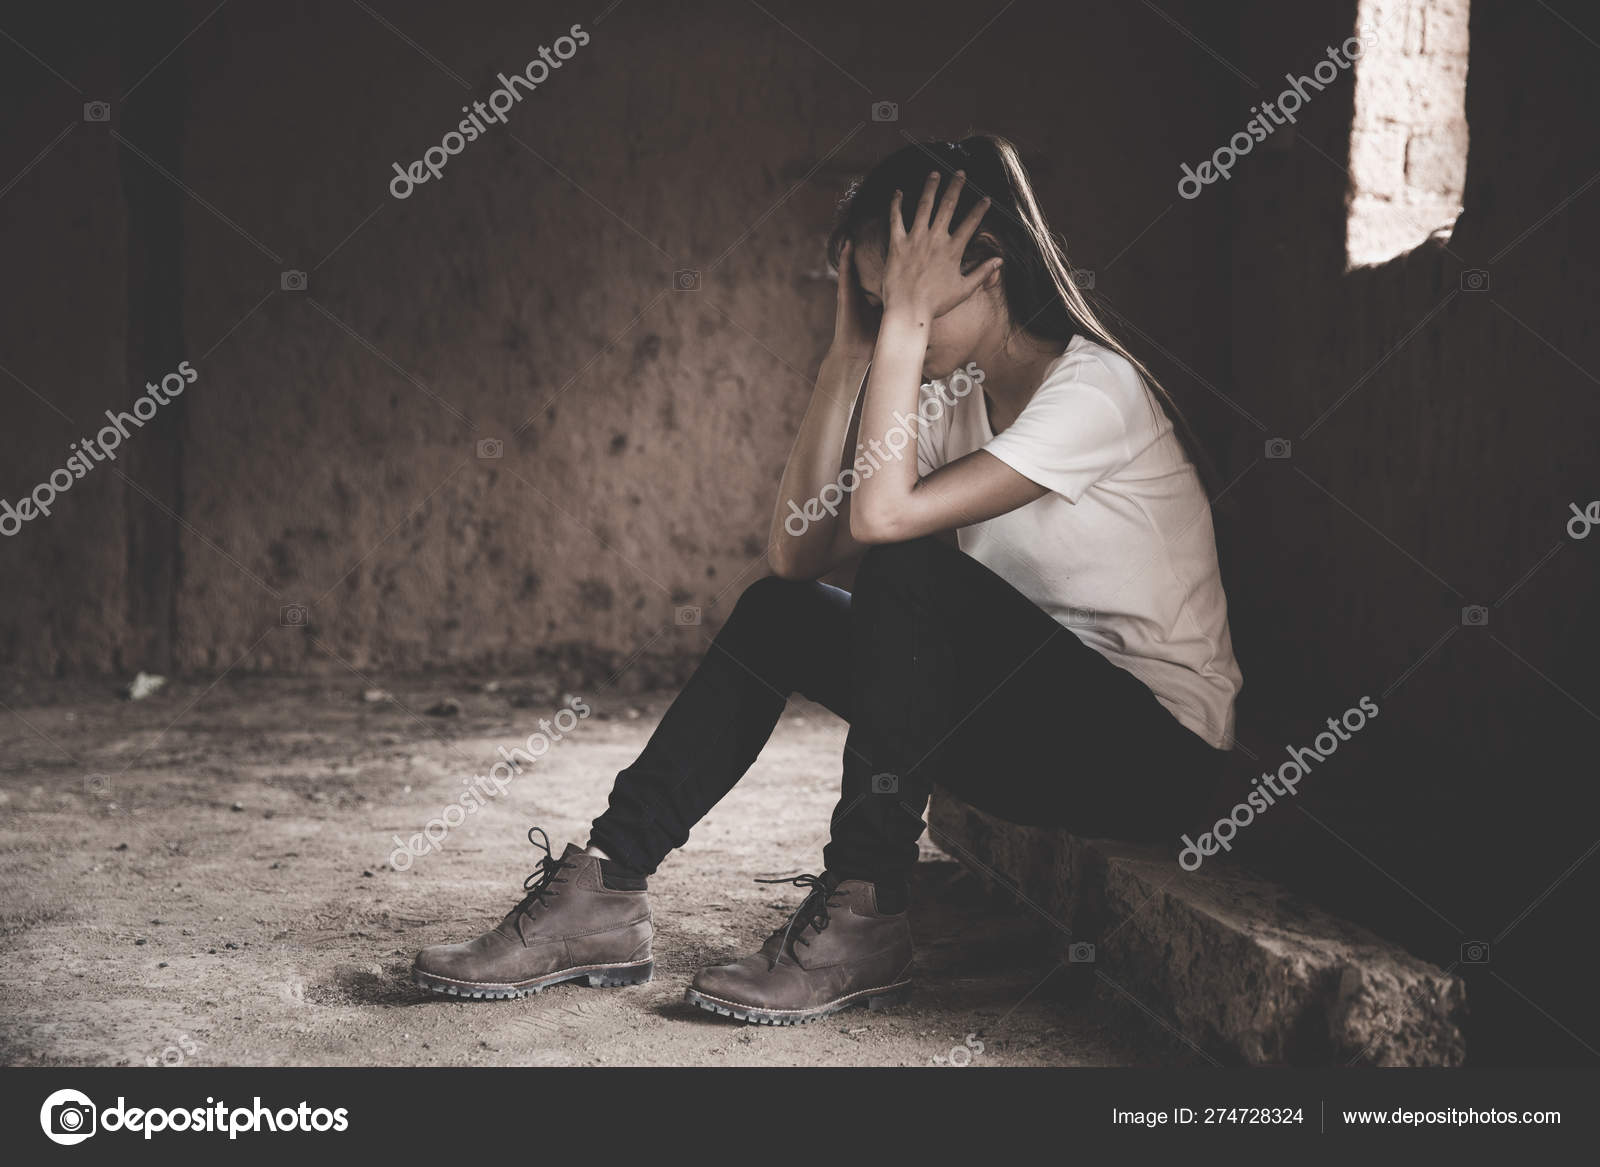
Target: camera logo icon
1475, 616
686, 617
1083, 279
68, 1117
1474, 279
1081, 617
97, 111
686, 280
885, 111
292, 281
1278, 448
885, 784
1475, 952
1081, 952
97, 785
490, 448
293, 615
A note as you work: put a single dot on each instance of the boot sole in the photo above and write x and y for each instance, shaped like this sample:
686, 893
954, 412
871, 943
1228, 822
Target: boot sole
599, 976
874, 999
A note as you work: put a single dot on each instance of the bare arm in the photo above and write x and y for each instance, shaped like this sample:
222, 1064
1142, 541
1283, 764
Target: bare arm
811, 522
922, 280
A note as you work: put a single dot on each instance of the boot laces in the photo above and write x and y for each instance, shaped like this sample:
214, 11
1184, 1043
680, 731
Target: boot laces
812, 913
541, 882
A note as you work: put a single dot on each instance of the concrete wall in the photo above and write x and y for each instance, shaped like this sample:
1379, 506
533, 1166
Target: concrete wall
64, 340
329, 456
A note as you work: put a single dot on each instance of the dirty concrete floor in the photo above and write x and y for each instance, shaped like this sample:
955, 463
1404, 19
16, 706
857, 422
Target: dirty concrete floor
203, 878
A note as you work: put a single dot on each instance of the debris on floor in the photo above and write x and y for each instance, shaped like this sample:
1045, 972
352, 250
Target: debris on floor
142, 686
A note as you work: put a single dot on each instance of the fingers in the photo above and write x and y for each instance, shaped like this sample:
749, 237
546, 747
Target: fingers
939, 217
969, 225
925, 205
947, 204
897, 224
973, 280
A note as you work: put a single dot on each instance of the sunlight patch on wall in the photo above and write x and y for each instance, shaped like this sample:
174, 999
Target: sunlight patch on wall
1408, 140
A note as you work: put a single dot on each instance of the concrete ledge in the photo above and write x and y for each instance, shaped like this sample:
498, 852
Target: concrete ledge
1244, 971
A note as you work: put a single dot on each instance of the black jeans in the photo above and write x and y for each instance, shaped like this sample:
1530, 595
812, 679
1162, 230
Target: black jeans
947, 674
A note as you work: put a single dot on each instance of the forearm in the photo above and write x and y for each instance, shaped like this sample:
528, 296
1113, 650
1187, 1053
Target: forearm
922, 280
896, 504
891, 403
805, 536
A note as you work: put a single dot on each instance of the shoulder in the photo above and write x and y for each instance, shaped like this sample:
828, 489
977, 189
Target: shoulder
1090, 372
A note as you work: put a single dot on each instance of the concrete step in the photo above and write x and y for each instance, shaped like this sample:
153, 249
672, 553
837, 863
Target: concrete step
1232, 964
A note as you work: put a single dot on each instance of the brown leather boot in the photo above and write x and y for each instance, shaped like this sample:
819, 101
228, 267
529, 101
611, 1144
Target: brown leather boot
570, 926
837, 950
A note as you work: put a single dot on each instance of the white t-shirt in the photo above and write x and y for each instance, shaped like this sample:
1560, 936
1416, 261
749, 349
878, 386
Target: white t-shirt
1121, 551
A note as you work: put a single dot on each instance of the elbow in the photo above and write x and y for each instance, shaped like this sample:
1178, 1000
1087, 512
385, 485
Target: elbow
784, 569
785, 565
868, 525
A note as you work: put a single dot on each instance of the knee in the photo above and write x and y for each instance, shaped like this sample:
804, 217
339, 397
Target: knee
769, 601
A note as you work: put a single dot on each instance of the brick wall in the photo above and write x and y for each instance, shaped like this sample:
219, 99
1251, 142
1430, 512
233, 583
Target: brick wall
1408, 138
